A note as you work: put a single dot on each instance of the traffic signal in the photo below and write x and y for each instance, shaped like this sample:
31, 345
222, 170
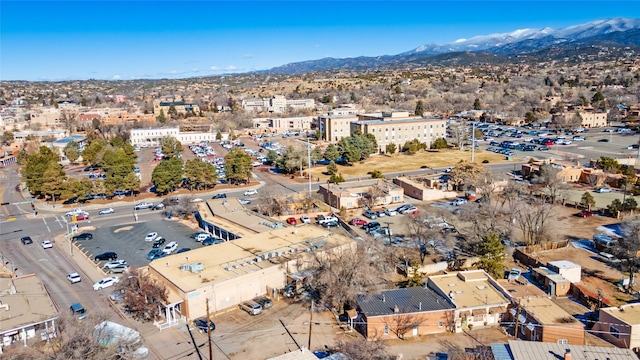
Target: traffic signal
33, 206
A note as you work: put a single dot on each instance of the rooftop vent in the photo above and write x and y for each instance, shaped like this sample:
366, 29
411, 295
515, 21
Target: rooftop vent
196, 267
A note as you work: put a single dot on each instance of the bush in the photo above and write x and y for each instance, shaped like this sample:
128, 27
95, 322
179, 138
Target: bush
485, 161
376, 174
424, 167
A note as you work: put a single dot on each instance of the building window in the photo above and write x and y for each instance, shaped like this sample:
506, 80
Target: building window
478, 317
386, 330
614, 332
563, 341
440, 324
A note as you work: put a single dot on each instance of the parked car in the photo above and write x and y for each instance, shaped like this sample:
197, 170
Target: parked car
201, 325
603, 140
114, 263
117, 296
409, 210
106, 282
106, 211
197, 233
544, 148
182, 250
151, 236
292, 221
401, 208
202, 237
459, 201
251, 307
26, 240
170, 247
212, 241
143, 205
155, 254
118, 269
370, 215
330, 224
159, 242
109, 255
305, 219
585, 213
251, 192
220, 196
83, 236
265, 302
357, 222
158, 206
196, 200
390, 212
245, 201
74, 277
47, 244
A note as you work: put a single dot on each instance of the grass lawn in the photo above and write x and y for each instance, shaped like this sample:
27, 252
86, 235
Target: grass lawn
402, 162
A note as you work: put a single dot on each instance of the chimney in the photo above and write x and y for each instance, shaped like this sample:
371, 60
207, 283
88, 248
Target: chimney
397, 310
383, 298
420, 306
567, 354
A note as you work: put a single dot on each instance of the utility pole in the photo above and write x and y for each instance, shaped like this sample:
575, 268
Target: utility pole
515, 331
209, 332
310, 323
309, 161
473, 141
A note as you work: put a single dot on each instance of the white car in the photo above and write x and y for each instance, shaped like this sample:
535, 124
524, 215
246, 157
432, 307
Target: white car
603, 190
170, 247
143, 205
113, 263
251, 192
106, 211
459, 201
106, 282
390, 212
73, 212
245, 201
74, 277
305, 219
151, 236
196, 200
47, 244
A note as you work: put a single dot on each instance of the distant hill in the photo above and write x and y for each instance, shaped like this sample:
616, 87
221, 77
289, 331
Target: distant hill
612, 35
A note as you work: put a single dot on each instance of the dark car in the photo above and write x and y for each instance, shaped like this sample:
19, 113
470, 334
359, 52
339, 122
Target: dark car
91, 168
603, 140
109, 255
201, 324
26, 240
183, 250
156, 254
330, 224
158, 242
219, 196
83, 236
371, 225
212, 241
264, 301
73, 200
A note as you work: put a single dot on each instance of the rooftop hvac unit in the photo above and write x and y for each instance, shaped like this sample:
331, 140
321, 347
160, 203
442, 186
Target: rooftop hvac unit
244, 264
278, 253
228, 268
265, 256
185, 267
236, 266
196, 267
251, 262
257, 259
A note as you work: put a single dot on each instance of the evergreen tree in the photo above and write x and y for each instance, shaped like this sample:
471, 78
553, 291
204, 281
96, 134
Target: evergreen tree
476, 104
237, 165
419, 108
587, 200
332, 168
331, 153
161, 118
492, 255
167, 175
391, 148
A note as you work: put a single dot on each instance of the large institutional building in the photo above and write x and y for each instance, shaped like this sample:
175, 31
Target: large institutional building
396, 127
152, 136
276, 104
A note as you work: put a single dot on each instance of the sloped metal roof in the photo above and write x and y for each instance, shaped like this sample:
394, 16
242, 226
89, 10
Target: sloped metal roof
408, 300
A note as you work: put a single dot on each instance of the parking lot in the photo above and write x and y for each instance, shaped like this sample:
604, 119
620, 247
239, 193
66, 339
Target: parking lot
128, 240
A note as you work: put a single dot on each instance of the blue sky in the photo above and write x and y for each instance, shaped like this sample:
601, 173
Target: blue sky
54, 40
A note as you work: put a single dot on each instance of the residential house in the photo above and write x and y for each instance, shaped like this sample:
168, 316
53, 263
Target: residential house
565, 171
569, 270
402, 313
479, 300
351, 195
620, 326
554, 283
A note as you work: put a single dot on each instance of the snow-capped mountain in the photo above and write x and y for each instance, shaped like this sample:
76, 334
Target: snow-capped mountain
536, 44
487, 42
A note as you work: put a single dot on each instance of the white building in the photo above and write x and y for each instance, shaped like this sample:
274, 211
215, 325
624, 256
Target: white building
276, 104
567, 269
152, 136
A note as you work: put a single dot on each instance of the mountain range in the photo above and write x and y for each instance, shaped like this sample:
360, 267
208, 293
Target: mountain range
616, 34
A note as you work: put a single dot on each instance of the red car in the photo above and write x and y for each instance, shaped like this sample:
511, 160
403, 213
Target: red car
291, 221
357, 222
585, 213
82, 216
548, 142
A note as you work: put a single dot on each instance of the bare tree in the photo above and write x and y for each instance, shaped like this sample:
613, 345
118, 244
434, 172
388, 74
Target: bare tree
272, 204
468, 173
363, 349
628, 249
554, 184
143, 295
400, 324
533, 218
